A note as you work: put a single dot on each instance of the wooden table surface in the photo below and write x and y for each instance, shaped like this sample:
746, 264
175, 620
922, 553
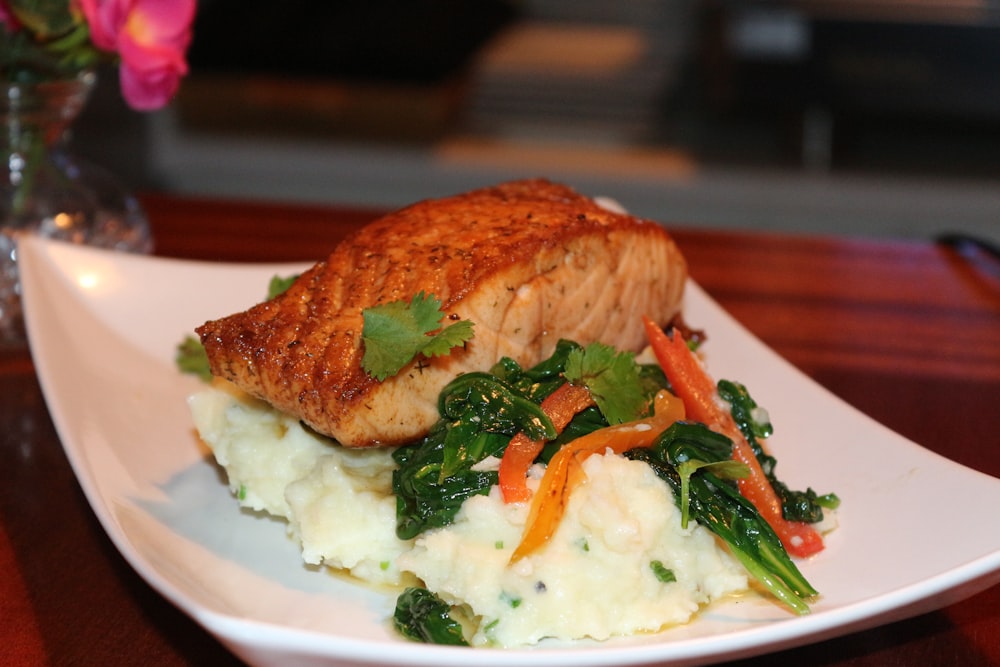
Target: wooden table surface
907, 332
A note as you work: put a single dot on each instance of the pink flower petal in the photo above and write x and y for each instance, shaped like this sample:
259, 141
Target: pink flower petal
149, 89
151, 37
104, 19
140, 56
162, 21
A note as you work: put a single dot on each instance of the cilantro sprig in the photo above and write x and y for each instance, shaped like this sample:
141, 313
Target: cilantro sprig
613, 379
397, 332
190, 356
279, 285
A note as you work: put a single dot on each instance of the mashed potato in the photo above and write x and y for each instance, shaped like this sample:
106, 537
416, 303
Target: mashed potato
597, 577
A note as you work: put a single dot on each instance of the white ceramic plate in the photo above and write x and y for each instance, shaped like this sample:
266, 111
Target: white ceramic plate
103, 328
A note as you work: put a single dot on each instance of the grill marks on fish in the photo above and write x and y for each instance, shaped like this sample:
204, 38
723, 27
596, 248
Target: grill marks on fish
528, 262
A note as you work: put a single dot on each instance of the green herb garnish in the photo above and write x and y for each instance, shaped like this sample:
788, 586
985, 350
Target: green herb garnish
191, 358
662, 573
613, 379
397, 332
512, 600
279, 285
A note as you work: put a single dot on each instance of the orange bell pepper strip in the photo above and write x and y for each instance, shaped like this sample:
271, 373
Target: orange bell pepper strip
564, 471
560, 406
694, 386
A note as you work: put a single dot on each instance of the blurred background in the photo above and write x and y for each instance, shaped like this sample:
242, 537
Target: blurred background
860, 117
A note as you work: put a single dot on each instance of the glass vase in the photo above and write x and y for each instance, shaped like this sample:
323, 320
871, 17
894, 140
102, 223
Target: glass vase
49, 191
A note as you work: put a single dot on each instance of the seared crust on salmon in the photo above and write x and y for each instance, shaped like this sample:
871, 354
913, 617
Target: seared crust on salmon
529, 262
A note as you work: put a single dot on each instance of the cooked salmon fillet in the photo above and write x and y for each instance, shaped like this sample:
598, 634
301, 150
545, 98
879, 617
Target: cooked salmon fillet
529, 262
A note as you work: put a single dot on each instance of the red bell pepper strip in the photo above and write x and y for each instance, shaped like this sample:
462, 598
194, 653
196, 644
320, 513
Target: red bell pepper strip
560, 406
694, 386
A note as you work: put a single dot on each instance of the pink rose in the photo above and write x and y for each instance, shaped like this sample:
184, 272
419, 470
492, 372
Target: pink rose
7, 18
151, 36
